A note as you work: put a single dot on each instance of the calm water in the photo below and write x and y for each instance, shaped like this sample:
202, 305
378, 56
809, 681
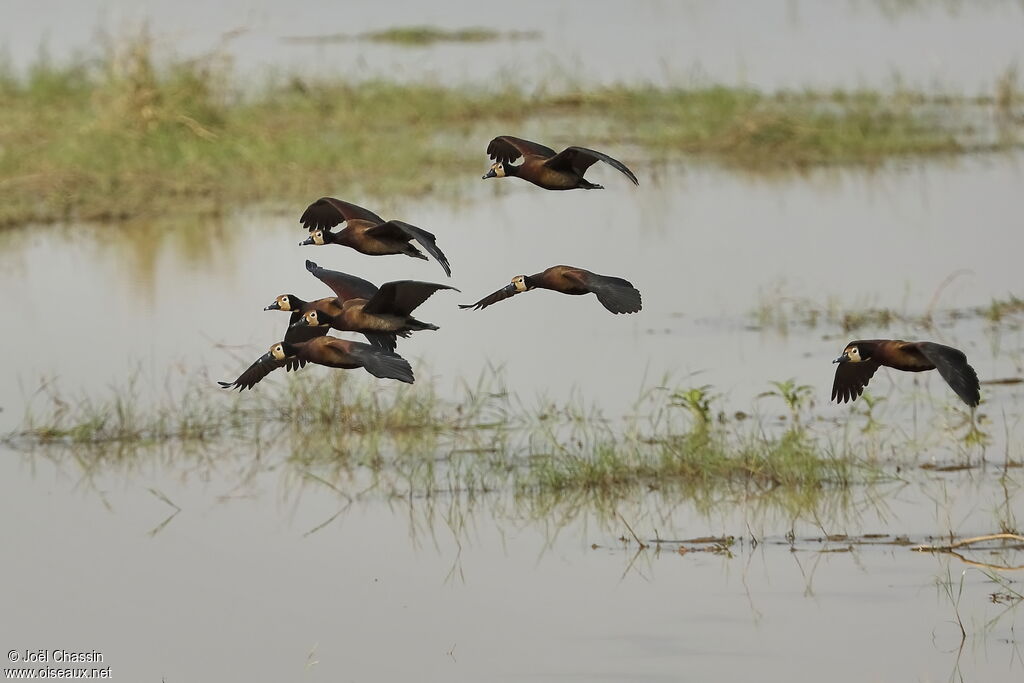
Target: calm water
233, 563
233, 588
949, 45
452, 589
704, 247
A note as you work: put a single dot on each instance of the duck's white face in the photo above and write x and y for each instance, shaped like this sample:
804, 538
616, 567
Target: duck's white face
519, 282
853, 354
312, 318
498, 168
318, 237
277, 351
284, 303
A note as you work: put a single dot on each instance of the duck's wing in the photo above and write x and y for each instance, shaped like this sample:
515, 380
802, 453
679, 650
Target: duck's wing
328, 212
505, 292
579, 159
343, 285
377, 362
263, 366
616, 294
506, 149
402, 297
399, 230
952, 365
851, 378
384, 340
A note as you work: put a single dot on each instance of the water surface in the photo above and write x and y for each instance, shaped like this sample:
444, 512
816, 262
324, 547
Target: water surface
959, 46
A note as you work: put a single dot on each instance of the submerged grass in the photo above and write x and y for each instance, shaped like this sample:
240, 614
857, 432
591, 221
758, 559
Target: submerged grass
484, 440
779, 312
129, 133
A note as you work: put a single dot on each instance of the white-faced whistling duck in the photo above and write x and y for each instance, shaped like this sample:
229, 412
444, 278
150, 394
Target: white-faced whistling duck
546, 168
366, 232
329, 306
860, 359
325, 350
385, 310
614, 293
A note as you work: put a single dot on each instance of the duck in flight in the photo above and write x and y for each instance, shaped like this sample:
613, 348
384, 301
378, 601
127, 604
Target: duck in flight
367, 309
860, 360
324, 350
545, 167
614, 293
366, 232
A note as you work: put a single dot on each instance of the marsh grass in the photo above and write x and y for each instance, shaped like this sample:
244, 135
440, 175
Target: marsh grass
486, 438
420, 36
133, 131
779, 312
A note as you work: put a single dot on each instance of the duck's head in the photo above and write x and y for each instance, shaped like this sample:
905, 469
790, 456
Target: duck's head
497, 170
281, 303
280, 351
853, 353
317, 237
310, 319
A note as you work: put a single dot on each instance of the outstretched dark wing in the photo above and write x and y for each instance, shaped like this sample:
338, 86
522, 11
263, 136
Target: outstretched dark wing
502, 294
384, 340
345, 286
952, 365
851, 378
328, 212
506, 148
402, 296
263, 366
399, 230
579, 159
380, 363
615, 293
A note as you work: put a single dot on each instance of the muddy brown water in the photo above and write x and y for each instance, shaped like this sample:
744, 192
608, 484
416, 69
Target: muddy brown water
234, 586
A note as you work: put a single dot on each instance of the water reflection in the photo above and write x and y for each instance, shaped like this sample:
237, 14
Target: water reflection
424, 569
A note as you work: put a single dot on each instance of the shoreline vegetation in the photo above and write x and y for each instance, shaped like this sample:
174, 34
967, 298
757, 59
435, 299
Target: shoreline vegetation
129, 133
418, 36
487, 439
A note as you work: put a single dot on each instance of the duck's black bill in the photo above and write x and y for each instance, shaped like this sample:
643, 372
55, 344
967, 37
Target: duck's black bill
308, 240
273, 307
489, 174
842, 359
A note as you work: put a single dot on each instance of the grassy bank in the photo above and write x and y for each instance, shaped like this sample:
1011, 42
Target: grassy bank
129, 134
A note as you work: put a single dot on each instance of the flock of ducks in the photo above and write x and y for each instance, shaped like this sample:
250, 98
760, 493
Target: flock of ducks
382, 314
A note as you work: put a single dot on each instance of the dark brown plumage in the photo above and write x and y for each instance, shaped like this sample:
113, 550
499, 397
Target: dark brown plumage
365, 308
329, 306
324, 350
546, 168
614, 293
366, 232
862, 358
